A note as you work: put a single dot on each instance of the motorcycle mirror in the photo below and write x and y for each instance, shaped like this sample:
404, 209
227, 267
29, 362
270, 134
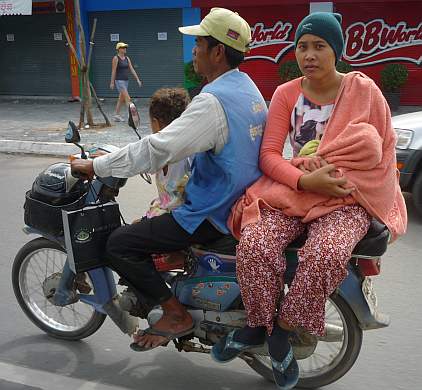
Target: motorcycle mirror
73, 137
72, 134
134, 119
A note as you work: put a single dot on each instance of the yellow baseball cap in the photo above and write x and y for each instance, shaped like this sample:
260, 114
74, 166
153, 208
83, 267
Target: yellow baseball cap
224, 25
121, 44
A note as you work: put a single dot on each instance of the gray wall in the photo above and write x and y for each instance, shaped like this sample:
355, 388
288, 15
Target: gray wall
159, 63
34, 63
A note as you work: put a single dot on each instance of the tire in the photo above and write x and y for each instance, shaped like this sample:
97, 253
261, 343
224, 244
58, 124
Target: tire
417, 194
350, 351
36, 306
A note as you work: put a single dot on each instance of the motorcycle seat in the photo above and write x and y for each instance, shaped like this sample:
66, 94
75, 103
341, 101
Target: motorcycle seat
374, 244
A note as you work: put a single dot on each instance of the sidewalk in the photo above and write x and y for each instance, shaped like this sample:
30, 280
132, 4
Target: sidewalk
37, 125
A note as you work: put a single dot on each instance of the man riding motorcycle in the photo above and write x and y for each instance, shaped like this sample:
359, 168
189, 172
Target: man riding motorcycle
223, 128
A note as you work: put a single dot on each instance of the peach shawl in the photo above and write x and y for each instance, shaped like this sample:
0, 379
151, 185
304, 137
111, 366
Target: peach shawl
360, 141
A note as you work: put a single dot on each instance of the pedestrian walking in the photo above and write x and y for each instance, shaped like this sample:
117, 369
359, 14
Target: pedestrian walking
120, 67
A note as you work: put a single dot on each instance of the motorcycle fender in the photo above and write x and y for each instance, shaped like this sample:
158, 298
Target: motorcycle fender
30, 230
104, 287
351, 291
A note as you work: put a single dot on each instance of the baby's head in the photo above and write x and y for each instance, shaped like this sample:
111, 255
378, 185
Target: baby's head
166, 105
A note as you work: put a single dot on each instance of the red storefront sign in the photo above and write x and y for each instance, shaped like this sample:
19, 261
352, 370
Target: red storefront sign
380, 33
377, 41
375, 34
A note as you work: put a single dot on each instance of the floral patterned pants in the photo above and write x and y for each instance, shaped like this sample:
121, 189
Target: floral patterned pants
322, 265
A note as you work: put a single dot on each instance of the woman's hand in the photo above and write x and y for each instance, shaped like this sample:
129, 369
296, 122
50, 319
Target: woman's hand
313, 163
310, 166
111, 85
322, 182
139, 83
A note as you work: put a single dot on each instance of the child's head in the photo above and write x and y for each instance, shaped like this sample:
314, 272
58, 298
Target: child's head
166, 105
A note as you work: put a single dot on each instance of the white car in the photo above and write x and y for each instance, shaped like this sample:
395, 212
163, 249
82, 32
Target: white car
409, 154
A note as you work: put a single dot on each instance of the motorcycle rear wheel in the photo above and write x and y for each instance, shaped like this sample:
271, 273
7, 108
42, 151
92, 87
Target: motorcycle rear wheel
320, 370
37, 260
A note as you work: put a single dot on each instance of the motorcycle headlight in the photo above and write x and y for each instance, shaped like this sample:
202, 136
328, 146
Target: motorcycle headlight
404, 138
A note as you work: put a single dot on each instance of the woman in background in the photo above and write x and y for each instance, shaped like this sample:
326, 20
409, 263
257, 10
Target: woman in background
120, 67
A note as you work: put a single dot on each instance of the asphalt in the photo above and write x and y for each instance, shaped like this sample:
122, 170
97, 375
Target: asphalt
37, 125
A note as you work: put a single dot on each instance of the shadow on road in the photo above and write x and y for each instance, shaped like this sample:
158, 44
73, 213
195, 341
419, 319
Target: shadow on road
167, 369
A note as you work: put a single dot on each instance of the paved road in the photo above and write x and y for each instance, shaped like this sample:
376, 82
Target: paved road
391, 359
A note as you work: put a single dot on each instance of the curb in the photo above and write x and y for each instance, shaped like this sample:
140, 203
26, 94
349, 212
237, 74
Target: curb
40, 148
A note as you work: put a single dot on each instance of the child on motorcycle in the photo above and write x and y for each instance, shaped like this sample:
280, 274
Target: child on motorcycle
166, 105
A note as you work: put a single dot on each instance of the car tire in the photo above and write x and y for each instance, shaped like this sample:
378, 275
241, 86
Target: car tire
417, 194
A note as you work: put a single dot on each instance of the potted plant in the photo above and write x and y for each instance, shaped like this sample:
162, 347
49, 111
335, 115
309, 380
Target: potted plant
193, 81
289, 70
393, 77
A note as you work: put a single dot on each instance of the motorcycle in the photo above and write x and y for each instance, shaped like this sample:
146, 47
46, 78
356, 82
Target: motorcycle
70, 304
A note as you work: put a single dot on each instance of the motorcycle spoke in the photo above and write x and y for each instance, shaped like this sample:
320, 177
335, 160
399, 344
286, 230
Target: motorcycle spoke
38, 260
48, 270
322, 358
332, 349
37, 289
70, 309
59, 312
76, 314
312, 363
37, 293
330, 312
37, 267
35, 272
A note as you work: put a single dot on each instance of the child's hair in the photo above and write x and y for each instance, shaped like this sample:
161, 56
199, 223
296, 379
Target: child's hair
167, 104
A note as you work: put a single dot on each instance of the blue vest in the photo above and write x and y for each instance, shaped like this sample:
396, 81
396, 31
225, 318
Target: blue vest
218, 180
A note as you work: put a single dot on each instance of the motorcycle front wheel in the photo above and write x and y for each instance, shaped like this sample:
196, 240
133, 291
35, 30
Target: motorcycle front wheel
330, 359
38, 261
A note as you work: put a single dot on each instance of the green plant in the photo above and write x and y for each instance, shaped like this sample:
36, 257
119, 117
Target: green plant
192, 79
289, 70
393, 77
344, 67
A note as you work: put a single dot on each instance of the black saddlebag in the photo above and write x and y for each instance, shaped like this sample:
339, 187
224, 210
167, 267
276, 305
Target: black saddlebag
47, 217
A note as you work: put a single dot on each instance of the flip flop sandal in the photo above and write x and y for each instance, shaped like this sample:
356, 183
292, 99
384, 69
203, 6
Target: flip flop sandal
154, 332
286, 373
226, 349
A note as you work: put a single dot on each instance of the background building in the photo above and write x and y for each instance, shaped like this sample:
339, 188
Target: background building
34, 59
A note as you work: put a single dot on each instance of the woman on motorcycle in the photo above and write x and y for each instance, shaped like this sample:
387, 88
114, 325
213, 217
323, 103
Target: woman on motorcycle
332, 196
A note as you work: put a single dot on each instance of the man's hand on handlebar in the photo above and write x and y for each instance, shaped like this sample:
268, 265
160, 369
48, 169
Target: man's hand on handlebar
82, 168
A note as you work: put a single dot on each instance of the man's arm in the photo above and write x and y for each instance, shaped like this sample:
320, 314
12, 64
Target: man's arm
202, 127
